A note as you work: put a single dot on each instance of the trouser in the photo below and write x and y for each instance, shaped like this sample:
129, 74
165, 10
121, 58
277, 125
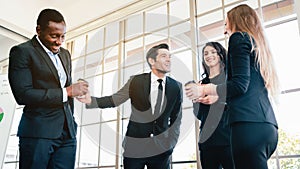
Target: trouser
253, 144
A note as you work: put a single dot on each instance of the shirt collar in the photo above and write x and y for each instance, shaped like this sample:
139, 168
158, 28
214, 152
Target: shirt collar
154, 78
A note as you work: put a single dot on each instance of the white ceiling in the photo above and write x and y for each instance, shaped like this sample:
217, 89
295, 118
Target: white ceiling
20, 15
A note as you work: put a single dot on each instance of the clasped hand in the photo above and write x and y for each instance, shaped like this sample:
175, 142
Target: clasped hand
197, 93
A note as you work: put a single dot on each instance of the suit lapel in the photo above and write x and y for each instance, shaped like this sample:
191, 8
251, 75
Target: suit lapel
45, 57
168, 92
147, 84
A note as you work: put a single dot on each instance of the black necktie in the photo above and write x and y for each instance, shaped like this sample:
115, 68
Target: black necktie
159, 97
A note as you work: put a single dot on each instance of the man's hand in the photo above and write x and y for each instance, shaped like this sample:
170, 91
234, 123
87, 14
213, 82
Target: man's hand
77, 89
194, 90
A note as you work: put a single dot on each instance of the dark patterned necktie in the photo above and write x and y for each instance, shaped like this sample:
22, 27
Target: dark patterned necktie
159, 97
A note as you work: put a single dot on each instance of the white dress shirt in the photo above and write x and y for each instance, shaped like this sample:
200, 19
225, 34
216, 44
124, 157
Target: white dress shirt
154, 90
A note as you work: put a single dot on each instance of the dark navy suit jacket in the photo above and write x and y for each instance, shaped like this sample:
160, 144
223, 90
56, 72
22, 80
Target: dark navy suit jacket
147, 134
214, 128
35, 83
247, 96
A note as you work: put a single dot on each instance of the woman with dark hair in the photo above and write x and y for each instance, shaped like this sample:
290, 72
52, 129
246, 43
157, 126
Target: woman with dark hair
251, 82
214, 137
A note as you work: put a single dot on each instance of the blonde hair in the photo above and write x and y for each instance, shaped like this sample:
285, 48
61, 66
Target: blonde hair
244, 19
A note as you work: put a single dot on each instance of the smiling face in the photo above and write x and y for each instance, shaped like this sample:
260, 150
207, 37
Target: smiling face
52, 36
162, 64
211, 57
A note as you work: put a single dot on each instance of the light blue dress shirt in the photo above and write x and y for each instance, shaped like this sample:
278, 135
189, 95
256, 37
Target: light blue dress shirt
60, 69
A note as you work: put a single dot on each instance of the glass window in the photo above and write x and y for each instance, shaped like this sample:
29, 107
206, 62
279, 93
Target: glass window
179, 11
77, 69
156, 38
89, 146
211, 26
182, 60
108, 144
95, 40
111, 59
284, 53
156, 19
79, 46
274, 9
207, 5
181, 35
112, 34
93, 64
134, 52
185, 149
134, 26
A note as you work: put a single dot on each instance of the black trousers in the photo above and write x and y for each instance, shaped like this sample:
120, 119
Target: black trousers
38, 153
216, 157
253, 144
161, 161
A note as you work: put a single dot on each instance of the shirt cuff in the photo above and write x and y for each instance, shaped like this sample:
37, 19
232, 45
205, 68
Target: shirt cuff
65, 94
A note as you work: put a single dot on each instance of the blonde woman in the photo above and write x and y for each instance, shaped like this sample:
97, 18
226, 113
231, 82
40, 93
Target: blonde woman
251, 81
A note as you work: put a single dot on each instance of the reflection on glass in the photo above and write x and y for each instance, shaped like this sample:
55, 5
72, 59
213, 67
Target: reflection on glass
108, 143
277, 9
112, 34
185, 149
207, 5
179, 11
134, 52
95, 40
181, 35
94, 63
89, 146
79, 46
156, 19
111, 59
134, 26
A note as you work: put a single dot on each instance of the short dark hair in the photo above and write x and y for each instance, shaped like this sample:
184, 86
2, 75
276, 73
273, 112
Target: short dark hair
152, 53
47, 15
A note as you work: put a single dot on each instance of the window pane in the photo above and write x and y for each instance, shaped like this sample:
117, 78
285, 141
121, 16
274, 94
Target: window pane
156, 19
181, 35
182, 60
89, 146
274, 9
207, 5
108, 144
112, 34
211, 26
79, 46
156, 38
134, 26
77, 69
95, 40
179, 10
287, 116
185, 149
134, 52
284, 53
111, 59
94, 64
